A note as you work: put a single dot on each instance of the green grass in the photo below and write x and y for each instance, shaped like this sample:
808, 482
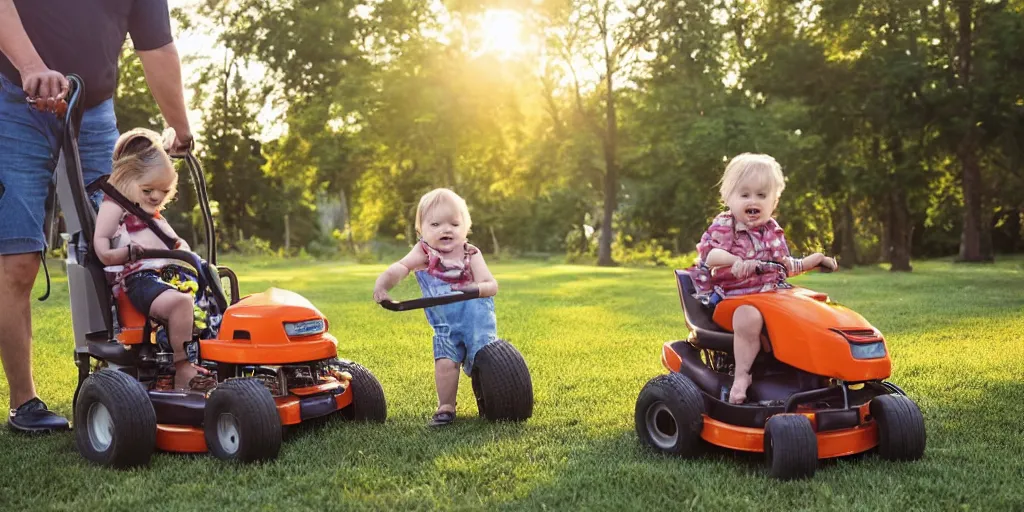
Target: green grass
592, 338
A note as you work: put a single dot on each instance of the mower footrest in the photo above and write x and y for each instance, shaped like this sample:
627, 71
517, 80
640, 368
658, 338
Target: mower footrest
317, 406
178, 407
112, 353
837, 420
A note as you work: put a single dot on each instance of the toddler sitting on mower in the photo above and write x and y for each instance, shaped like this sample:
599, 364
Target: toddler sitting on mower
444, 261
144, 178
737, 241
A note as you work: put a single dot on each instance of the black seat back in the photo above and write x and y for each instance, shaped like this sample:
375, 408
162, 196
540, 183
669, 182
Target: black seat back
699, 317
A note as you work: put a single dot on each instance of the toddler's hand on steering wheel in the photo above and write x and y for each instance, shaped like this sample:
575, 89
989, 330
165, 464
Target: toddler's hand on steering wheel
829, 264
135, 252
743, 269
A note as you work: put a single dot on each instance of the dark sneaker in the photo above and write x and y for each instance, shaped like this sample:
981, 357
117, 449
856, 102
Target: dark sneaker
34, 417
441, 419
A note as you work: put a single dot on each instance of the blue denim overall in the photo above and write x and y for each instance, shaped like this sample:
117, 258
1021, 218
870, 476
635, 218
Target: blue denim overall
461, 329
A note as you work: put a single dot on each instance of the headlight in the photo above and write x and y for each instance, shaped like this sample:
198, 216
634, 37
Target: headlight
305, 328
867, 350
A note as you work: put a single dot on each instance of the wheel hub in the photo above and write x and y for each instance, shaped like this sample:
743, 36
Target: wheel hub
101, 427
227, 433
662, 426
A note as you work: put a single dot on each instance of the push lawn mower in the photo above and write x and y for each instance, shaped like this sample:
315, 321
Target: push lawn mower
501, 380
275, 364
819, 393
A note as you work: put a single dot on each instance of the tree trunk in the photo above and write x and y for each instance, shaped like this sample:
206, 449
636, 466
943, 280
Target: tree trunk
837, 232
494, 240
970, 235
899, 231
967, 149
287, 234
885, 244
611, 174
584, 243
1013, 225
899, 213
848, 254
346, 220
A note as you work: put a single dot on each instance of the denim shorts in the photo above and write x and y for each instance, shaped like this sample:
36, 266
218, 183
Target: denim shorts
143, 287
461, 329
28, 154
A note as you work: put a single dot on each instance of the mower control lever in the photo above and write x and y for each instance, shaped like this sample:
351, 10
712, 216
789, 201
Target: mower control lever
426, 302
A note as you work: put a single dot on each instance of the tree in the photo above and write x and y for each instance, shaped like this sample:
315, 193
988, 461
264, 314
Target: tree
604, 39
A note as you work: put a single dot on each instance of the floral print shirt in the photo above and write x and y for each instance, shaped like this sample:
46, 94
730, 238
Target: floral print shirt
766, 243
457, 272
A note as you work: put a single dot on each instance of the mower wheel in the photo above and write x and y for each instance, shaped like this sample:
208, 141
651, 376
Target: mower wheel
368, 403
115, 424
502, 383
241, 422
901, 434
669, 415
790, 446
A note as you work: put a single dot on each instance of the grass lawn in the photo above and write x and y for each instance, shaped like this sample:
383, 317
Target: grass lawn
592, 338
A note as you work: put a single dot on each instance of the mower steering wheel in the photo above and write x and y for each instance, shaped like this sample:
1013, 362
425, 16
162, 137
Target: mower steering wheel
184, 256
766, 267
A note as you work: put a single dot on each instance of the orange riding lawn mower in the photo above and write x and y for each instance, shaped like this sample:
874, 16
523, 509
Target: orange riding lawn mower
818, 392
274, 364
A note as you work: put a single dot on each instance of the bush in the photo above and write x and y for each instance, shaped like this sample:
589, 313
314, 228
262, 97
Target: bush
647, 253
324, 247
255, 246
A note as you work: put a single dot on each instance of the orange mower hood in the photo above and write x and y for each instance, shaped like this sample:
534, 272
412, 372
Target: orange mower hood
254, 331
808, 331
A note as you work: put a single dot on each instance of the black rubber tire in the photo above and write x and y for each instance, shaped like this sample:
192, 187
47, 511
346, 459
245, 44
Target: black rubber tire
669, 415
368, 402
901, 433
502, 383
241, 422
790, 447
115, 424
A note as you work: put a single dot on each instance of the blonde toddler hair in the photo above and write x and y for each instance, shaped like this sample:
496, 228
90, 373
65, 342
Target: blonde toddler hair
752, 166
136, 153
440, 196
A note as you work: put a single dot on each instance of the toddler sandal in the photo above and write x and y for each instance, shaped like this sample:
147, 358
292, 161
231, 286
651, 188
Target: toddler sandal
441, 419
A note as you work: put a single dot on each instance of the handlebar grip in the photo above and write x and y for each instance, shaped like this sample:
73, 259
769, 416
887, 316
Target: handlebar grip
426, 302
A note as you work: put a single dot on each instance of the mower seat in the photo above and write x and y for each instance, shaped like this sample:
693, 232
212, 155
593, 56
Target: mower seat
704, 333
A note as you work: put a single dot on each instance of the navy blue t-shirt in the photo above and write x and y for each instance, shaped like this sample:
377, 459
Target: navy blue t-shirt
85, 37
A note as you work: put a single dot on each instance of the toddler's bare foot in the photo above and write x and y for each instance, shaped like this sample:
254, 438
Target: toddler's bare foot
183, 373
738, 393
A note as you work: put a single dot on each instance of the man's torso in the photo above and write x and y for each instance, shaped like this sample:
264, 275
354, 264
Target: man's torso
85, 37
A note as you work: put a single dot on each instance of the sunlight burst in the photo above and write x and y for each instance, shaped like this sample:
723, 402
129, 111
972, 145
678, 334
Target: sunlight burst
500, 33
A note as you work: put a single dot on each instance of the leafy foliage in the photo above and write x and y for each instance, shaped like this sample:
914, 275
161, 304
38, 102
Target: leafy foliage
899, 124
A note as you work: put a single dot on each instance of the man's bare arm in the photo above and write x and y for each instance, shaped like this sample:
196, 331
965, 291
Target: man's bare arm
37, 80
163, 74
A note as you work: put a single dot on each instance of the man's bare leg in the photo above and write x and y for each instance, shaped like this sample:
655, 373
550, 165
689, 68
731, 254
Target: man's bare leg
17, 275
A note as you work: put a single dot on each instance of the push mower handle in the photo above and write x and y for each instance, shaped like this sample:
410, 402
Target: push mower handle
426, 302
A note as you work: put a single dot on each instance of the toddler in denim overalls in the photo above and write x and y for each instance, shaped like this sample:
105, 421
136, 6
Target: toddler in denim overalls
445, 262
